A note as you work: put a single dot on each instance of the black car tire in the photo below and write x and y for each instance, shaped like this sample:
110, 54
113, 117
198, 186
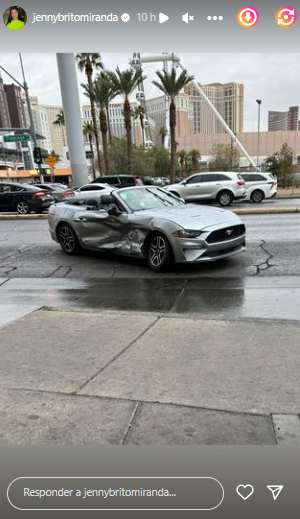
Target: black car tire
257, 196
22, 207
159, 252
67, 239
225, 198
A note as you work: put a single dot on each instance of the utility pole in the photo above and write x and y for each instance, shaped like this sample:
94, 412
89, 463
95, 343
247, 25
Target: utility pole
259, 101
32, 127
24, 86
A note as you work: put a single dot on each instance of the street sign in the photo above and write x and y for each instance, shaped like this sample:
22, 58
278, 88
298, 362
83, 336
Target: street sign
51, 161
21, 137
89, 154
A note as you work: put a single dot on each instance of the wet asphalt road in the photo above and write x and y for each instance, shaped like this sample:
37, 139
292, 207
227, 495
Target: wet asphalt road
263, 282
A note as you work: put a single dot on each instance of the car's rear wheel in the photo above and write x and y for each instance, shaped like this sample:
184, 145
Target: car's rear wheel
22, 207
257, 196
159, 253
225, 198
68, 239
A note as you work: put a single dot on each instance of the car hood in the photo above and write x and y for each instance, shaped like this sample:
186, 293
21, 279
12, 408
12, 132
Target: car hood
194, 216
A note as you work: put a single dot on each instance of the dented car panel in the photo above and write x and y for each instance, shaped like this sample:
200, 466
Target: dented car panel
195, 233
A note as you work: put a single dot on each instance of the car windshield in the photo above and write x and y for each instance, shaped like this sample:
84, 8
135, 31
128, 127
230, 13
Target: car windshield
141, 199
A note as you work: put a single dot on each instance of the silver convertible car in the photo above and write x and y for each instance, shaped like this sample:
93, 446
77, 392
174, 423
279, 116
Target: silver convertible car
147, 222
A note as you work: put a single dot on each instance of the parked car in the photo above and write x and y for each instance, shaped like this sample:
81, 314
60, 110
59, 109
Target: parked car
223, 187
92, 191
259, 186
150, 223
23, 198
119, 180
59, 194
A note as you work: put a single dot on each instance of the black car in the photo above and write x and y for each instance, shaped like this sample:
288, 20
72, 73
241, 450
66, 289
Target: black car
58, 193
119, 180
23, 198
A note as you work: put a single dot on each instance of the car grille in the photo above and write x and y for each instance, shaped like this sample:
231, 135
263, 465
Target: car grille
225, 234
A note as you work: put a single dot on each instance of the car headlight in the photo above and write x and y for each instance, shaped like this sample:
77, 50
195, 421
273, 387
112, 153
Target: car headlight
185, 233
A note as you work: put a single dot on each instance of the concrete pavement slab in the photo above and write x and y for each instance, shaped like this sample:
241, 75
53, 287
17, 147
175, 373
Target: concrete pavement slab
242, 366
157, 424
37, 418
60, 351
10, 312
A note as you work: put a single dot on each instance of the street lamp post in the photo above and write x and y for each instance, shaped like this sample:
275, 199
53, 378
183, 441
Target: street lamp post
24, 86
259, 101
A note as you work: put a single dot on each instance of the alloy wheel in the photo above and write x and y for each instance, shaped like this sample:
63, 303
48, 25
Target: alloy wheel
67, 238
157, 251
225, 199
23, 207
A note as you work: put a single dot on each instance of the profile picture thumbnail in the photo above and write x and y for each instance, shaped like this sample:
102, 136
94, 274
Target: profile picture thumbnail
15, 18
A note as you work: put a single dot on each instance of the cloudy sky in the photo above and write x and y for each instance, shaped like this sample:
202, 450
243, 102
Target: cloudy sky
274, 78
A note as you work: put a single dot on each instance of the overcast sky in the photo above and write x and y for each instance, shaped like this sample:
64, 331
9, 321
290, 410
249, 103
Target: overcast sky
274, 78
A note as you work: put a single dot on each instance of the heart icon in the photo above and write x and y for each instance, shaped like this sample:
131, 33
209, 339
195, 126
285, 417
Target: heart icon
245, 491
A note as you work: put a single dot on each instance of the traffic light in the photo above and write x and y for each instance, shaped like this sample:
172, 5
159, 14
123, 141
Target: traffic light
37, 154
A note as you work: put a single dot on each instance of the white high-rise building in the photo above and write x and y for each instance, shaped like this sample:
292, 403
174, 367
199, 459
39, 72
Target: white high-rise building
58, 134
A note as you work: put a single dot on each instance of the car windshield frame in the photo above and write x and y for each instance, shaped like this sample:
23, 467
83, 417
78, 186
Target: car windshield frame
161, 199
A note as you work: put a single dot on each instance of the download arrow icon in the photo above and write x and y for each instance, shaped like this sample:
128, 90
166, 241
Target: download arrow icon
248, 16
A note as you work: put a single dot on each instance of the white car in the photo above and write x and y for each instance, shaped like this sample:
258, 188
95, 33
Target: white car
92, 191
259, 186
221, 186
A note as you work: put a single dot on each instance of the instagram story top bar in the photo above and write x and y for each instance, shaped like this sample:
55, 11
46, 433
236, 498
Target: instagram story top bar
153, 27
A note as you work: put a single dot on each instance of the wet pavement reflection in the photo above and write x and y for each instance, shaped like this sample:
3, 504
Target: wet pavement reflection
275, 298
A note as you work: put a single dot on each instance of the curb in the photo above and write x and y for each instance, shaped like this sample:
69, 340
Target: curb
23, 216
262, 210
270, 210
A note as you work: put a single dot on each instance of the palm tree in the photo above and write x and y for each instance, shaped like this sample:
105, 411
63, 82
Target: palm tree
139, 113
163, 132
124, 83
88, 62
195, 156
182, 155
60, 119
88, 130
171, 85
111, 94
100, 93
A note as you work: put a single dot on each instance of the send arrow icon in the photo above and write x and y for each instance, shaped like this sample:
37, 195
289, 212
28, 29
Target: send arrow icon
275, 489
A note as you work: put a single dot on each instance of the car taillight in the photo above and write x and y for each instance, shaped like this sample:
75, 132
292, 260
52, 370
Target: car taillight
241, 182
66, 193
39, 193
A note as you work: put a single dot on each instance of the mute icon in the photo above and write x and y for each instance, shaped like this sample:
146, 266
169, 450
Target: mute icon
187, 18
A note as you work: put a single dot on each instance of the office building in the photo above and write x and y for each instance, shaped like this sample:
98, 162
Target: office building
280, 121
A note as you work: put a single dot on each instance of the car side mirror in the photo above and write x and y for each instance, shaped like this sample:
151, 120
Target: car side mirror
183, 182
113, 210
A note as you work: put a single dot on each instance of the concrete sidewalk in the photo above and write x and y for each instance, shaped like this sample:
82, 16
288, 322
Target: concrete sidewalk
73, 377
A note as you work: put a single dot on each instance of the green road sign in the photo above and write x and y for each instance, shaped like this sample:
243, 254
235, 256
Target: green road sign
21, 137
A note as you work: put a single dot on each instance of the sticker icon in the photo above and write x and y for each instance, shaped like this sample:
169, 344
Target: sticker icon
248, 17
286, 17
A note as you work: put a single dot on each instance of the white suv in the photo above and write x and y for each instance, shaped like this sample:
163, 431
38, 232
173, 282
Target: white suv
259, 186
221, 186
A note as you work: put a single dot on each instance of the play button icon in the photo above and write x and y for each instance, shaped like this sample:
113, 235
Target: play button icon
163, 18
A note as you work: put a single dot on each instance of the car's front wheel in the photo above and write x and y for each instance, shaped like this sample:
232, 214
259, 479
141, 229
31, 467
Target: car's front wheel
67, 239
257, 196
225, 198
23, 207
159, 253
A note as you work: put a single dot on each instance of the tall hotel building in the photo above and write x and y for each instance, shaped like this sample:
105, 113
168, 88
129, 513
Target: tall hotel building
227, 98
